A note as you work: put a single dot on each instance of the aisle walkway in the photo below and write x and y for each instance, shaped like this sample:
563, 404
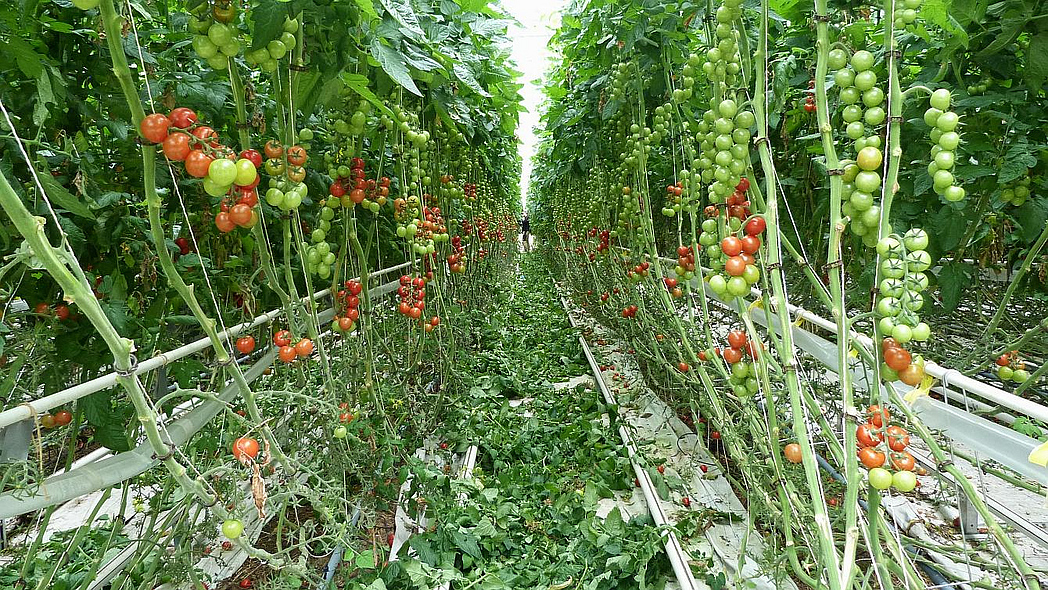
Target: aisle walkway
551, 503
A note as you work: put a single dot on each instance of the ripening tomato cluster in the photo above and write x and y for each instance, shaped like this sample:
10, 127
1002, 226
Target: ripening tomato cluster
61, 311
743, 377
1010, 367
639, 272
184, 140
183, 246
59, 418
288, 353
879, 441
898, 362
686, 256
347, 305
412, 292
735, 255
738, 203
629, 312
673, 287
352, 187
457, 258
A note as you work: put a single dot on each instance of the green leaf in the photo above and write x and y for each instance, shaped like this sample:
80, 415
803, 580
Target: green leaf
402, 12
267, 18
954, 278
378, 584
359, 84
394, 64
58, 194
1037, 61
368, 7
465, 541
938, 13
1032, 216
465, 75
366, 560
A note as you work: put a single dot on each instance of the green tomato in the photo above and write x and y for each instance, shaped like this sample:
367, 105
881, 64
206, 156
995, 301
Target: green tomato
232, 528
288, 39
222, 171
886, 325
751, 274
873, 97
292, 200
940, 99
738, 287
275, 197
949, 140
838, 59
276, 49
880, 478
728, 108
220, 34
931, 116
942, 179
918, 261
290, 25
1005, 373
844, 77
86, 4
904, 481
745, 120
916, 239
862, 60
213, 188
888, 246
893, 268
204, 47
869, 158
874, 116
947, 121
1021, 376
902, 333
855, 130
865, 80
867, 181
340, 431
888, 307
953, 194
850, 95
740, 371
246, 173
218, 62
851, 113
230, 49
922, 332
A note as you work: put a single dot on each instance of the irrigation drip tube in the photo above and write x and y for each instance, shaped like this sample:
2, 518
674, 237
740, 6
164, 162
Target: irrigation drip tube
112, 470
27, 410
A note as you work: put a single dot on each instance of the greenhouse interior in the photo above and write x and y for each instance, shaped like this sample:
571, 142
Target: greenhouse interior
523, 294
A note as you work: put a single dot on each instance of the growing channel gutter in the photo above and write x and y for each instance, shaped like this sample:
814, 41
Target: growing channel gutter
674, 551
27, 410
112, 470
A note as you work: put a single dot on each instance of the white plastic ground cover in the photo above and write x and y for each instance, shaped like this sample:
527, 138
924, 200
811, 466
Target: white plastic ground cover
114, 469
26, 410
655, 423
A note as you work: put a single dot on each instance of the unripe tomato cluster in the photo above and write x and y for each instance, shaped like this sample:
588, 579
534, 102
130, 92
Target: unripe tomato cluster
351, 187
686, 256
639, 272
347, 306
1016, 192
902, 268
288, 353
724, 144
944, 124
218, 39
1010, 367
881, 442
59, 418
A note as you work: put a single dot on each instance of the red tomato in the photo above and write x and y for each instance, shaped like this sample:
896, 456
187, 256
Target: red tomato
245, 448
296, 155
864, 435
287, 353
63, 417
154, 127
751, 244
755, 226
273, 149
898, 438
206, 135
282, 338
1004, 360
304, 347
240, 214
744, 185
737, 339
871, 457
176, 146
62, 312
878, 416
735, 266
246, 344
182, 117
198, 163
252, 156
792, 453
902, 461
224, 223
731, 246
897, 359
732, 355
42, 309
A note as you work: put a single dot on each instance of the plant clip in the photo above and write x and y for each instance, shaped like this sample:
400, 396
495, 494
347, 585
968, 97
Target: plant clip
895, 53
895, 119
757, 141
834, 264
835, 172
790, 366
244, 125
941, 465
170, 452
214, 501
709, 19
854, 415
229, 360
299, 68
821, 18
130, 370
773, 266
